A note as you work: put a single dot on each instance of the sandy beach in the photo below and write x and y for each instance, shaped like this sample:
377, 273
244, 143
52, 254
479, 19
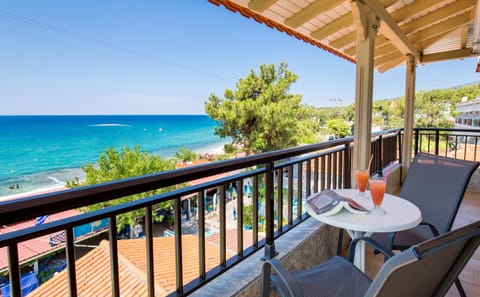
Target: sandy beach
212, 150
40, 191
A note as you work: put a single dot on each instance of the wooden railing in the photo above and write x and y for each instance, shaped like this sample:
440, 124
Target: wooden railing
280, 181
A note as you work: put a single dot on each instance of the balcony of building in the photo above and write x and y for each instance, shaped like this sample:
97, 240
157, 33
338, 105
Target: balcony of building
208, 252
370, 33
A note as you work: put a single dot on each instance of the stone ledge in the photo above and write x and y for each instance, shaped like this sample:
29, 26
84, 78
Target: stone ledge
309, 243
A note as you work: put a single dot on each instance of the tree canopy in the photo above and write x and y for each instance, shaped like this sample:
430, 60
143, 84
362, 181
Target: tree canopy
434, 108
261, 115
186, 155
115, 165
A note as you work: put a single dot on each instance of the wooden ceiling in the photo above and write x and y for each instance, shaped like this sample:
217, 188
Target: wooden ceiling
430, 30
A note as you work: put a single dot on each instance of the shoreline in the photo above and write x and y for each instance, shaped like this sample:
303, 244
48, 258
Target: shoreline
39, 191
214, 149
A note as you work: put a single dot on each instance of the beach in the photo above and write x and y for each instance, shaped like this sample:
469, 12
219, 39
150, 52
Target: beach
41, 153
210, 150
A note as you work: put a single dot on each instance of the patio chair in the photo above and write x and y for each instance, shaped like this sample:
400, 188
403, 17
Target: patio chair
436, 185
426, 269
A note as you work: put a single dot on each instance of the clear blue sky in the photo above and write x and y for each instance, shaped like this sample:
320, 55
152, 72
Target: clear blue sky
165, 57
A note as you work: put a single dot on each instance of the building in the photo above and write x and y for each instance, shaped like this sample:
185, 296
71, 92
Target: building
468, 114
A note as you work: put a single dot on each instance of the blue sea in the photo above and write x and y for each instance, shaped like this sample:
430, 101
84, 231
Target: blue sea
39, 152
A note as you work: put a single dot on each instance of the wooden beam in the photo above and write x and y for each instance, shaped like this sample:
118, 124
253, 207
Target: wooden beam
389, 57
391, 64
409, 114
390, 30
439, 15
310, 11
345, 20
412, 9
464, 5
421, 22
344, 40
367, 24
450, 55
361, 21
421, 46
260, 5
351, 51
455, 22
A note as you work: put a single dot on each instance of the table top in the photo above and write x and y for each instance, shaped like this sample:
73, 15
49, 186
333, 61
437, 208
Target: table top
401, 214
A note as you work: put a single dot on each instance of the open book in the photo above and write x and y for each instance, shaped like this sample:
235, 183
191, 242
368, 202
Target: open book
327, 203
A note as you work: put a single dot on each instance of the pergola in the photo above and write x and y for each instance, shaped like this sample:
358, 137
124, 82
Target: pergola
375, 34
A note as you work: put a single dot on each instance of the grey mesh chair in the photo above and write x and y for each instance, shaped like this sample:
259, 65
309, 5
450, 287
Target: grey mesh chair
426, 269
436, 184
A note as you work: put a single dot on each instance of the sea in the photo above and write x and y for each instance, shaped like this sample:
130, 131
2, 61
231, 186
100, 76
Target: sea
43, 152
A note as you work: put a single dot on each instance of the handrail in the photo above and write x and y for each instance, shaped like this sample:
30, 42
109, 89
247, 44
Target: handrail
318, 166
457, 143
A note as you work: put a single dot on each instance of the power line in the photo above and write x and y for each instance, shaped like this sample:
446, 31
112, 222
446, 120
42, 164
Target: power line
106, 44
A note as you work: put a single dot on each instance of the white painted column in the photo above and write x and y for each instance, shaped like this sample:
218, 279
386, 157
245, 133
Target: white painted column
367, 26
409, 114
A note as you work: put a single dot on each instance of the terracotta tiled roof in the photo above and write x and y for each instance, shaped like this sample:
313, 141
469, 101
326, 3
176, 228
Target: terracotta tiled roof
93, 269
36, 247
231, 239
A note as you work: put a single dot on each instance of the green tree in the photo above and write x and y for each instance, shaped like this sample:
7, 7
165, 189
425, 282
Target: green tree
186, 155
338, 127
260, 115
114, 165
432, 109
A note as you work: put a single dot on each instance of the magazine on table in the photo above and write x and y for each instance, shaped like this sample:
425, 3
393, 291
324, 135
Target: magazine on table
327, 203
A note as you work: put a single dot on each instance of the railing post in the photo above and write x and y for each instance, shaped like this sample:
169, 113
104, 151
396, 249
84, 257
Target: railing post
347, 167
269, 212
417, 136
437, 140
400, 145
380, 156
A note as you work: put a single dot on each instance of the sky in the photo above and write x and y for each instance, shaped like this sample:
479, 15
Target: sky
166, 57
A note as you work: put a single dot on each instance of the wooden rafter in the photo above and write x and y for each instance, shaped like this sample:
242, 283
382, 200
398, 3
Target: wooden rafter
394, 55
344, 21
327, 30
312, 10
438, 16
260, 5
450, 55
398, 16
405, 26
393, 63
455, 22
389, 57
390, 30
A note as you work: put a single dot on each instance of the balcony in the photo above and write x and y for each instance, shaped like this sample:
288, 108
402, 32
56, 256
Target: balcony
206, 257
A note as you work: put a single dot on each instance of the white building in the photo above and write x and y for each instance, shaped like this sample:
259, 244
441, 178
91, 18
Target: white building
468, 114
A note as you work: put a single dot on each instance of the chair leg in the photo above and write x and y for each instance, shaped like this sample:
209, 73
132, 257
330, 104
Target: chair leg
340, 242
266, 280
460, 289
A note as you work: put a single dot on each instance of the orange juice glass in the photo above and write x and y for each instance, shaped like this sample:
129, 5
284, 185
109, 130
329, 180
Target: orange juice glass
377, 190
361, 176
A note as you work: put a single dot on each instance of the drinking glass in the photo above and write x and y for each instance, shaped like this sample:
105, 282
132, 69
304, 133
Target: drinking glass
377, 190
361, 176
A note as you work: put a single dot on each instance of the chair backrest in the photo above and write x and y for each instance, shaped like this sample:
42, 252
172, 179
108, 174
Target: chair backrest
429, 268
436, 185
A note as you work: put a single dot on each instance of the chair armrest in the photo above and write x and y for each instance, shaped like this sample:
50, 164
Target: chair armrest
283, 280
434, 230
372, 243
391, 237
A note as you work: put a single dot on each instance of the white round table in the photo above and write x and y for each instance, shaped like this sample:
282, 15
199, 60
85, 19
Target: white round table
401, 215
